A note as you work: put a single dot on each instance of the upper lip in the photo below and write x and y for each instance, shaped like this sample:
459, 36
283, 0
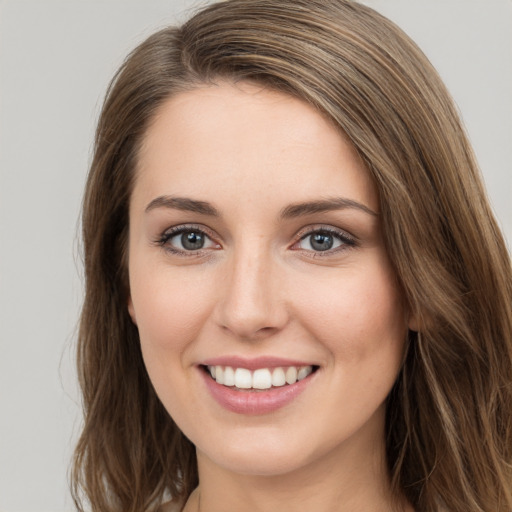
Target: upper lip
254, 363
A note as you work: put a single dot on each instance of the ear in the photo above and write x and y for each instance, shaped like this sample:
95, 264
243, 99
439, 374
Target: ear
131, 310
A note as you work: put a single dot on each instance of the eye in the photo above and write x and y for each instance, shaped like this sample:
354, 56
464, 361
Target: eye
186, 240
323, 240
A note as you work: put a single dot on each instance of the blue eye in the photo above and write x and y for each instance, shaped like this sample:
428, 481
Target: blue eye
323, 240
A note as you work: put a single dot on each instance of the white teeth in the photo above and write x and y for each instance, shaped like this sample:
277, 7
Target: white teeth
229, 376
278, 377
263, 378
243, 378
219, 374
304, 372
291, 375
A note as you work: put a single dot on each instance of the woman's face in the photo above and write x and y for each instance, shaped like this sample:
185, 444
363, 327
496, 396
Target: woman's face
256, 254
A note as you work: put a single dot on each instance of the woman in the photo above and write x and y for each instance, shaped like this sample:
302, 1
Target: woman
296, 293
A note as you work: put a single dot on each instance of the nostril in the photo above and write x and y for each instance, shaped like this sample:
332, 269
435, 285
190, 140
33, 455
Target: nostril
247, 331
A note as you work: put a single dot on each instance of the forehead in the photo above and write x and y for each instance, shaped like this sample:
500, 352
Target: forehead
245, 138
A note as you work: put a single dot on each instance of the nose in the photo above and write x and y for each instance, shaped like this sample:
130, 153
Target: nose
253, 304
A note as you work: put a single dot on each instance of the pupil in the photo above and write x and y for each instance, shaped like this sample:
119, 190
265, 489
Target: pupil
192, 240
321, 242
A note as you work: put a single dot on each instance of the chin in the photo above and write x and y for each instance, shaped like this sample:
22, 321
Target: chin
260, 455
257, 464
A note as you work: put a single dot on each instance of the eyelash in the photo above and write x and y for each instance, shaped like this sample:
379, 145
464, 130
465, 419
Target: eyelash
163, 240
347, 241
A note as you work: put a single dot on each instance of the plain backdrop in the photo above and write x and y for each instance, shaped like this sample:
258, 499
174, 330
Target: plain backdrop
56, 59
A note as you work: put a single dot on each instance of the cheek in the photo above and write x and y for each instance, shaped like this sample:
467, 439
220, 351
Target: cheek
358, 316
169, 308
170, 314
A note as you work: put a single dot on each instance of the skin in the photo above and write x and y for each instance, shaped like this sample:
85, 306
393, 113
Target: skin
258, 288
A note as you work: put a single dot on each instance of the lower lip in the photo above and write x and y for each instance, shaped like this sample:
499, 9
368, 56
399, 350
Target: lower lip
255, 402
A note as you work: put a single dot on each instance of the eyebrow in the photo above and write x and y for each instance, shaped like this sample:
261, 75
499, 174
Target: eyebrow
324, 205
289, 212
183, 203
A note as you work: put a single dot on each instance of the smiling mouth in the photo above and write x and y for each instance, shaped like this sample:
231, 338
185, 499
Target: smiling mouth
243, 379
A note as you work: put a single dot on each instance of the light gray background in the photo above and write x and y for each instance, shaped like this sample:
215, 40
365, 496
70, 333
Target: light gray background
56, 58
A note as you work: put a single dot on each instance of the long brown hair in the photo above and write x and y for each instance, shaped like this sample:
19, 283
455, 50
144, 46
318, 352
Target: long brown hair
449, 415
